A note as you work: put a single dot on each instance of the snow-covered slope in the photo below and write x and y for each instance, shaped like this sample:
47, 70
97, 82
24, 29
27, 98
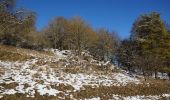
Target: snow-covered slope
62, 73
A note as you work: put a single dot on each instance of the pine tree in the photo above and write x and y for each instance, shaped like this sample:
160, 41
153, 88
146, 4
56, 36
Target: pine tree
150, 32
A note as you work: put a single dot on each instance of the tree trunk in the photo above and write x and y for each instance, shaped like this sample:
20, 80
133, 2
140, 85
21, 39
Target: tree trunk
169, 75
156, 75
144, 75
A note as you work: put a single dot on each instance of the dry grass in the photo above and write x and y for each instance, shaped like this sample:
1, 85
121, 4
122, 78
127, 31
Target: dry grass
9, 86
9, 53
155, 87
73, 70
90, 68
15, 53
104, 92
10, 56
63, 87
2, 70
19, 96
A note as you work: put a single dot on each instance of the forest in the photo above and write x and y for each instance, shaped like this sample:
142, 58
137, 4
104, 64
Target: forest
146, 51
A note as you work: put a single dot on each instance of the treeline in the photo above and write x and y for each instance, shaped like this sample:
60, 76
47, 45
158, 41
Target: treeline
75, 34
17, 28
147, 50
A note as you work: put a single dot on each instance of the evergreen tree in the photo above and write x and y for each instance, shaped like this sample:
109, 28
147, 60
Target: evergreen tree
150, 32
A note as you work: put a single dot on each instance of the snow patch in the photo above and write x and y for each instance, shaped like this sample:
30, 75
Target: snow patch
95, 98
43, 90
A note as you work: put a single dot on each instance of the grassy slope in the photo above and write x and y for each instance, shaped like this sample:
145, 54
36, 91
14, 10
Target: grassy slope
155, 87
11, 53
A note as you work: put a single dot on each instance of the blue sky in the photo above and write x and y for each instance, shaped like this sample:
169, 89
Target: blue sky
115, 15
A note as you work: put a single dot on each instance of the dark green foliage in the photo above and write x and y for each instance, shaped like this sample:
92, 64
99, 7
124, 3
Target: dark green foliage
148, 48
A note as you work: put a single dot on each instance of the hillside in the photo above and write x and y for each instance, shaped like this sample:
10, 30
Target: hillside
61, 75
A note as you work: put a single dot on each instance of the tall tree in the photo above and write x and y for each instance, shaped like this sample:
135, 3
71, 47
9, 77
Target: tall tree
78, 31
149, 31
106, 45
57, 32
8, 22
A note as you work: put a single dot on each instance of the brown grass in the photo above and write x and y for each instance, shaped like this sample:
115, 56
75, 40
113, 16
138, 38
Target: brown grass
10, 56
72, 70
9, 86
156, 87
104, 92
19, 96
2, 70
63, 87
9, 53
12, 53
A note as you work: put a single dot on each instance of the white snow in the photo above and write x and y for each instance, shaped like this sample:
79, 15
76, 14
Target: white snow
163, 75
22, 73
1, 96
58, 53
95, 98
30, 78
124, 79
43, 90
106, 63
9, 91
5, 64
